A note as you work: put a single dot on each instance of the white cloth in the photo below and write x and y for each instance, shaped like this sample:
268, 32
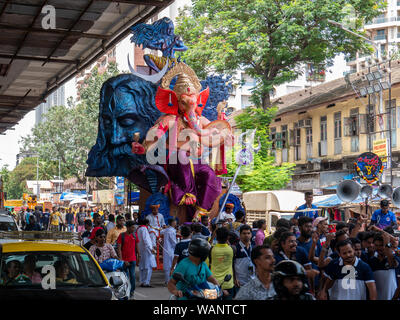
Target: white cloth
147, 259
156, 221
224, 215
169, 244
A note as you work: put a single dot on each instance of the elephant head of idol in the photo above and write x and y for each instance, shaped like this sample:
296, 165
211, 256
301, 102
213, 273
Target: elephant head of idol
186, 99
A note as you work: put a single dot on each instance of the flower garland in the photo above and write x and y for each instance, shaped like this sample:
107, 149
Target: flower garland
369, 181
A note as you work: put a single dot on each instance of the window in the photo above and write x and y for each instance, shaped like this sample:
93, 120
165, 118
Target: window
284, 136
309, 142
297, 142
324, 128
272, 136
354, 130
338, 125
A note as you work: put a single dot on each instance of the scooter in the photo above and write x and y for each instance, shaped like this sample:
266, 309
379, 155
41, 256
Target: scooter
118, 279
203, 291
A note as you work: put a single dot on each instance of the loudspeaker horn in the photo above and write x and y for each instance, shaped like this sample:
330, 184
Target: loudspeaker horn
396, 197
385, 191
348, 190
366, 191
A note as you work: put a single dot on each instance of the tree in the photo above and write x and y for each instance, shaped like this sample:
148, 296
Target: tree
69, 132
15, 182
263, 174
270, 39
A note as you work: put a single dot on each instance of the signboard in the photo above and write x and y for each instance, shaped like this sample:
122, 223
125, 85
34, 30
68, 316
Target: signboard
369, 167
120, 189
13, 203
380, 148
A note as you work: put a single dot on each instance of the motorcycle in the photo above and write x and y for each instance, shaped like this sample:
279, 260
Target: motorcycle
118, 279
203, 291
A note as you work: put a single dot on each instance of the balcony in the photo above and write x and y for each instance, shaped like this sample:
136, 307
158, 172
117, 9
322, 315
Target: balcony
383, 20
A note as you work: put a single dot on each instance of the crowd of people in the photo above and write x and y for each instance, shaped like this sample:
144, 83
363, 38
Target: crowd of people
305, 258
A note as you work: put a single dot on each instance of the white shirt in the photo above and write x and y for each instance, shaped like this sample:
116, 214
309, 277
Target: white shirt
224, 215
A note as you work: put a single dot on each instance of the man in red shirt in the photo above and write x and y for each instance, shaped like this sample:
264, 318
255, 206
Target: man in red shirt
128, 250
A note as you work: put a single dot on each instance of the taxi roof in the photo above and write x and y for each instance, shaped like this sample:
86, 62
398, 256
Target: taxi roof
23, 246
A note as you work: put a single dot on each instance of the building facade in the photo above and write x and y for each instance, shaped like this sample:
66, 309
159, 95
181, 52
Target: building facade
324, 129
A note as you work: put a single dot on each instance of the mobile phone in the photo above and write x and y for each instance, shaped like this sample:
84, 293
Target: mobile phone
332, 228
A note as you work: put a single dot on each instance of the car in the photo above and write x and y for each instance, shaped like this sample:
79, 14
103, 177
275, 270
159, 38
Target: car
43, 269
7, 222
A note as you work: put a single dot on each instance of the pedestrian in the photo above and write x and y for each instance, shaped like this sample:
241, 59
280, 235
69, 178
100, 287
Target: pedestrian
227, 213
128, 251
45, 219
261, 286
169, 243
253, 232
196, 229
147, 251
62, 226
243, 265
205, 231
55, 220
221, 262
306, 209
101, 250
156, 221
80, 219
114, 233
33, 225
260, 235
240, 220
383, 217
361, 279
182, 248
367, 244
383, 264
38, 215
85, 236
111, 223
69, 220
290, 282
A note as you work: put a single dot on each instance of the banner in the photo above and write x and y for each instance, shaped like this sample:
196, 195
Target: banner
120, 190
380, 148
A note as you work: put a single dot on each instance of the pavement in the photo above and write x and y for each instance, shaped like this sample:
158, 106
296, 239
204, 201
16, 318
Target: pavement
159, 292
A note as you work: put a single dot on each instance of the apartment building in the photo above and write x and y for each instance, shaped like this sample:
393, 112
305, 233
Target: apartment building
384, 31
323, 129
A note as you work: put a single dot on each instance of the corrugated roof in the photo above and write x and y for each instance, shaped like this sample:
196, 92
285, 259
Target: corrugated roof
35, 61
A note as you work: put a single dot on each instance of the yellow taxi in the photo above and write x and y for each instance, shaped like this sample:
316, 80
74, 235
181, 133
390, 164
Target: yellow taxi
45, 269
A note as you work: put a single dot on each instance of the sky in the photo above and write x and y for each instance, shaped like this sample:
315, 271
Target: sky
9, 146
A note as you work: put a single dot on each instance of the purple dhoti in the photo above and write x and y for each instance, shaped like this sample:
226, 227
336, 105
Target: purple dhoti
194, 180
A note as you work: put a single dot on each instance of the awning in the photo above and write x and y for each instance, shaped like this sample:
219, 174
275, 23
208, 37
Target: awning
35, 61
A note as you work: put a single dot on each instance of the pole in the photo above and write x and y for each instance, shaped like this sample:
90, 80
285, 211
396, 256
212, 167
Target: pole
37, 179
59, 168
389, 160
229, 190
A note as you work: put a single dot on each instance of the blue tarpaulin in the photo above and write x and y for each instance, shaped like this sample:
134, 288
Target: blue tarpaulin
334, 201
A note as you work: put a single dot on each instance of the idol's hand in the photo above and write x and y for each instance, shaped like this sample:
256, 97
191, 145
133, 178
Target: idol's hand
137, 148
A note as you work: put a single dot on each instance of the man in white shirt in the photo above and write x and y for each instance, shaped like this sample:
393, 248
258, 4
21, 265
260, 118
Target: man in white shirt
227, 214
156, 222
169, 243
147, 251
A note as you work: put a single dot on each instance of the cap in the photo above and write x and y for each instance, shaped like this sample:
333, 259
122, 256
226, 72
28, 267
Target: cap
318, 220
154, 206
230, 205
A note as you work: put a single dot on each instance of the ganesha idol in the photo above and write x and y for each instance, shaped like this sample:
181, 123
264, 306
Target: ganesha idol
186, 136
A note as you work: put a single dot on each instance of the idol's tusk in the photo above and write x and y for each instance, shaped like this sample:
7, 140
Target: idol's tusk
153, 78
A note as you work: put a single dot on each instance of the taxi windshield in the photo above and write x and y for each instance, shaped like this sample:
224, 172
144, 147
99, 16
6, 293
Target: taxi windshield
49, 270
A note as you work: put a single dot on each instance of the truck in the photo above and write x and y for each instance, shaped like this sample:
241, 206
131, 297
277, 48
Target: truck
271, 206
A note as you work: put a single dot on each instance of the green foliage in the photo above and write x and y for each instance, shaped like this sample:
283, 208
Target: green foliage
69, 132
269, 39
15, 180
263, 174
